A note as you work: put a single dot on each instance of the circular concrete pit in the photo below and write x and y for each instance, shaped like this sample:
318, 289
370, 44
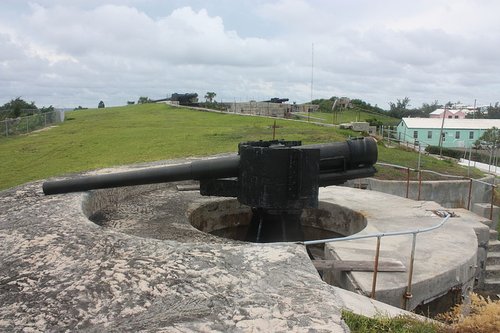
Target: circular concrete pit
156, 213
142, 264
167, 213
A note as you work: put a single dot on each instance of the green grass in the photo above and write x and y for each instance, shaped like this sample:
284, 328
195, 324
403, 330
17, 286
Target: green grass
402, 324
93, 139
409, 158
352, 115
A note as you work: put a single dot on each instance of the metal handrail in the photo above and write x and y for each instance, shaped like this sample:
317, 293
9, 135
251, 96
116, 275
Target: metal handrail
380, 234
421, 170
408, 293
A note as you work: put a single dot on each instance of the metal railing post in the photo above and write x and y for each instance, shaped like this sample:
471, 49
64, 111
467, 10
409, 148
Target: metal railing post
375, 268
470, 194
408, 295
492, 198
419, 184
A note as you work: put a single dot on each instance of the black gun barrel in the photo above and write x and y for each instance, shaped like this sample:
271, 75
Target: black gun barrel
204, 169
339, 161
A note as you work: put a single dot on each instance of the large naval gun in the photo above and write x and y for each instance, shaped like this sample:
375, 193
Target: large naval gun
277, 179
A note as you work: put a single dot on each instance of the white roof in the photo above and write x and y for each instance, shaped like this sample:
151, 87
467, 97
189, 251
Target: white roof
433, 123
452, 111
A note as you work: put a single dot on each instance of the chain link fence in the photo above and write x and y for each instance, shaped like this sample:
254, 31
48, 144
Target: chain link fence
27, 124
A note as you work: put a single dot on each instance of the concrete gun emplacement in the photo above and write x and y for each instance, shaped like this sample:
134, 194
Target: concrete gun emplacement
276, 178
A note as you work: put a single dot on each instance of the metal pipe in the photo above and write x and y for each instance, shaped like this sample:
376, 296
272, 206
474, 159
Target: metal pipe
375, 268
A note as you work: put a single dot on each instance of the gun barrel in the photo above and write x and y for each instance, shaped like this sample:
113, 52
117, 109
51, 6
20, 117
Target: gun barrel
339, 161
213, 168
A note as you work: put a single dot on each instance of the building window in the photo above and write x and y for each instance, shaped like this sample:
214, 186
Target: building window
429, 134
415, 134
457, 135
450, 117
456, 117
444, 137
471, 135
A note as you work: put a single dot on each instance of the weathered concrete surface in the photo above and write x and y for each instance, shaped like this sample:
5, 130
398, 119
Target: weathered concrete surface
445, 258
60, 271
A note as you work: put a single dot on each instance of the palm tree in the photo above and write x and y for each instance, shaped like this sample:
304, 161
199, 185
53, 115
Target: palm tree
210, 96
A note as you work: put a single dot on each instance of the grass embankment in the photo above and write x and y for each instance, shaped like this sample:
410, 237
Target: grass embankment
348, 116
409, 158
98, 138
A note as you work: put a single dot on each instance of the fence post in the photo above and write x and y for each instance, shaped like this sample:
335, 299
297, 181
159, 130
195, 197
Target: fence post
407, 181
6, 129
470, 194
27, 125
375, 268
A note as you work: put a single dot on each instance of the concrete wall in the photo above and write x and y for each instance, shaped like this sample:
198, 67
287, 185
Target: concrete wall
449, 194
268, 108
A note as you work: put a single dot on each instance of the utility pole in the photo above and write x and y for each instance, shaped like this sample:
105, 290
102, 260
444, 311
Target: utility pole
312, 80
441, 134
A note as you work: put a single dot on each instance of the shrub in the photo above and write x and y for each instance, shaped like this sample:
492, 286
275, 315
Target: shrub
483, 316
445, 151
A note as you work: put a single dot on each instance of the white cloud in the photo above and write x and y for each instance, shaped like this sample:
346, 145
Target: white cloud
78, 52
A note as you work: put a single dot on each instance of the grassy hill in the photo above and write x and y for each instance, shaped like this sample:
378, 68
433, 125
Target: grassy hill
92, 139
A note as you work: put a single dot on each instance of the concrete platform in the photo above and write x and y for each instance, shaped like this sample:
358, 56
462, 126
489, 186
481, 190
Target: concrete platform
60, 271
445, 259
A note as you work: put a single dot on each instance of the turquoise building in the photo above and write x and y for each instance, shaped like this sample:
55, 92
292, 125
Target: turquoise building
457, 133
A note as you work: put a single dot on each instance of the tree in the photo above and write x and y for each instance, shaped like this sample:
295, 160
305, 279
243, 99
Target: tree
101, 105
143, 100
16, 106
493, 111
47, 109
428, 108
210, 96
400, 108
491, 135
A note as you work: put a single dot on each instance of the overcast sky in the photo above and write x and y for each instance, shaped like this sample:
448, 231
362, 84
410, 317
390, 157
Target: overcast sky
68, 53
